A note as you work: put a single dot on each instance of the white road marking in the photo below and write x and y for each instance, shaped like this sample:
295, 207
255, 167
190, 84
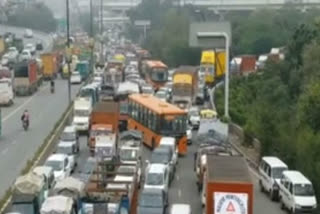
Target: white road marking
22, 105
3, 152
179, 193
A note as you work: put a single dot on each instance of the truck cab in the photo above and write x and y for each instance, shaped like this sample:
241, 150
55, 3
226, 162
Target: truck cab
82, 111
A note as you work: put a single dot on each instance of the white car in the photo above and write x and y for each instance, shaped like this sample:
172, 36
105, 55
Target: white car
194, 117
98, 80
5, 60
60, 165
75, 78
30, 47
25, 55
157, 177
13, 54
161, 95
69, 149
28, 33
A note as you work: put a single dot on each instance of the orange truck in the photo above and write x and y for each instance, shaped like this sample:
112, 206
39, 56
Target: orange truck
104, 120
50, 65
227, 185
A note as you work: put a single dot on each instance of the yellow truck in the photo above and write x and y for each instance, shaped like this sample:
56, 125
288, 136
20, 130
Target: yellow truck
50, 65
212, 65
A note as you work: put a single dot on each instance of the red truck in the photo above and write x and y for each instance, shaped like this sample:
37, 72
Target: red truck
227, 185
26, 78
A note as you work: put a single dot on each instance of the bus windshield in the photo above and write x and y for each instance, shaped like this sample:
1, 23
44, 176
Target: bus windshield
159, 74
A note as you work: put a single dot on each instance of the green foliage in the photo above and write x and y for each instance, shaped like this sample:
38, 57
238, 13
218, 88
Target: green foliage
37, 17
280, 105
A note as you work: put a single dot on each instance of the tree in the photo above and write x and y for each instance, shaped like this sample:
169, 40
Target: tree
38, 17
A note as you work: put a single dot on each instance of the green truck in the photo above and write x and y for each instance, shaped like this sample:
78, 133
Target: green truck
83, 68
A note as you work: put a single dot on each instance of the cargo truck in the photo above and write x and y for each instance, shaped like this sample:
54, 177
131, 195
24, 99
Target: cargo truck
82, 110
104, 120
50, 65
83, 68
28, 194
228, 187
6, 86
26, 78
185, 86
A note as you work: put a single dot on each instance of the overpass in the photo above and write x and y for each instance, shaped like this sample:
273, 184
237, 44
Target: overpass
123, 5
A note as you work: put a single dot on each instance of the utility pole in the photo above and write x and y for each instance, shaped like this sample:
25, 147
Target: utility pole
92, 36
68, 47
101, 30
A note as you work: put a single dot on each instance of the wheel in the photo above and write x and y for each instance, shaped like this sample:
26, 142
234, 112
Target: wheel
261, 186
282, 204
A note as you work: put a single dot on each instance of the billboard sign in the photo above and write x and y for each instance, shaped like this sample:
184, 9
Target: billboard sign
230, 203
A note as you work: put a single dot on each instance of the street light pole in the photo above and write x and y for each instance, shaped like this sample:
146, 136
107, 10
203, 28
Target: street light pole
91, 35
101, 30
68, 46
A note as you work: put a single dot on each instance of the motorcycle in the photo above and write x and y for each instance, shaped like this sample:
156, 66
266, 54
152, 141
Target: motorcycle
25, 124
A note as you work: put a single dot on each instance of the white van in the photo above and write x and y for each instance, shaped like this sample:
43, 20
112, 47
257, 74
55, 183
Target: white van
296, 193
180, 209
82, 111
172, 144
270, 171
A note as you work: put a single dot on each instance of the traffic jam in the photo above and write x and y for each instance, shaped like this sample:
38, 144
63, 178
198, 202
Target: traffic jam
132, 105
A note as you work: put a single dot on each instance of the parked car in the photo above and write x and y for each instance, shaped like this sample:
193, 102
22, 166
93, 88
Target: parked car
60, 165
152, 201
296, 193
28, 33
69, 149
75, 78
270, 171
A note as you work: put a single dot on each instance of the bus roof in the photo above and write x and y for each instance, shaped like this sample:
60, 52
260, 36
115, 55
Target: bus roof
155, 104
156, 63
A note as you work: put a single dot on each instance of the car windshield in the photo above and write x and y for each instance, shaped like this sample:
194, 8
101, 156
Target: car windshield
151, 200
128, 154
56, 165
126, 169
81, 113
64, 150
277, 172
160, 157
194, 112
154, 179
68, 136
75, 74
161, 95
303, 190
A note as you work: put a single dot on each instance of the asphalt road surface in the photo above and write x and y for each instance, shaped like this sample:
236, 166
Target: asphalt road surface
183, 188
18, 146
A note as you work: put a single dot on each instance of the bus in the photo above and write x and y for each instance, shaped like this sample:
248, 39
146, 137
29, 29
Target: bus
155, 73
156, 119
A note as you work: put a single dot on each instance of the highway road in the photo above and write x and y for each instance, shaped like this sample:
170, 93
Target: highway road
184, 189
18, 146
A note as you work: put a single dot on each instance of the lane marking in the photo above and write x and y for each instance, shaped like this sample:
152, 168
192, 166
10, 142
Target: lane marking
23, 104
179, 193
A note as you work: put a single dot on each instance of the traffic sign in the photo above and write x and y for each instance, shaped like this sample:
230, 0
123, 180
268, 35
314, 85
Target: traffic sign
230, 203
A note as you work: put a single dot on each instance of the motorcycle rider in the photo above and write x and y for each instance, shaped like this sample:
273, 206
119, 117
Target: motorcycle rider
52, 85
25, 117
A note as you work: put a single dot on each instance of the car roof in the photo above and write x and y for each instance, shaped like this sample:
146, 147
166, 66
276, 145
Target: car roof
69, 129
167, 140
274, 161
157, 168
152, 191
58, 157
65, 143
296, 177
